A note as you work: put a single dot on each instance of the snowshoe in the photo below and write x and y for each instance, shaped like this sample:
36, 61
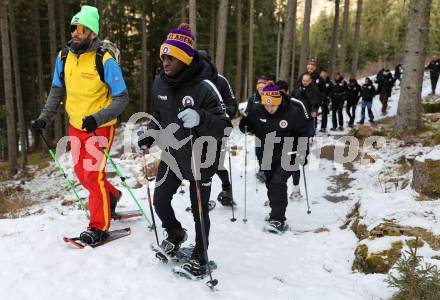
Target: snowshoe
114, 199
277, 227
111, 236
196, 267
170, 245
225, 196
93, 236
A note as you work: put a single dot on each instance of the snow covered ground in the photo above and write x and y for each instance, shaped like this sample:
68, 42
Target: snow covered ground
36, 264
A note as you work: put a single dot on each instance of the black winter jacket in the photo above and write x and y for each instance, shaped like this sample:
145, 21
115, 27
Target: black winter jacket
434, 67
339, 91
310, 96
191, 88
386, 84
325, 86
290, 120
353, 92
223, 87
368, 92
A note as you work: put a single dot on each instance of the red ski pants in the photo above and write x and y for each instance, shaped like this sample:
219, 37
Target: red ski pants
90, 161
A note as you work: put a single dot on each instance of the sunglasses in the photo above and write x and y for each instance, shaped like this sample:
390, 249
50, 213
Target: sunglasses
78, 28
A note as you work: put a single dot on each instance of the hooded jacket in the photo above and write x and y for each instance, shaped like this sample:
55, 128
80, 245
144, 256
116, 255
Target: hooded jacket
191, 89
290, 120
223, 87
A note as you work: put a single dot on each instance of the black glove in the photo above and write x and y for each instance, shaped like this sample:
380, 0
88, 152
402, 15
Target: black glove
37, 125
89, 124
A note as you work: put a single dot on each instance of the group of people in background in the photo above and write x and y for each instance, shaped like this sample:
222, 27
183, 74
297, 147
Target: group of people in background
319, 92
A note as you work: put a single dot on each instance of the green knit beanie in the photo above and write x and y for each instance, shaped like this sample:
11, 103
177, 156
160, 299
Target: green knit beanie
88, 17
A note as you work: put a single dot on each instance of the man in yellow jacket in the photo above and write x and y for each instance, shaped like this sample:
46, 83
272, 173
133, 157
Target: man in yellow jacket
93, 102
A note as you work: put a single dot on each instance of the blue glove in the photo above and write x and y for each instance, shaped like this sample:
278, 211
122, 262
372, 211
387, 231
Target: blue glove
189, 117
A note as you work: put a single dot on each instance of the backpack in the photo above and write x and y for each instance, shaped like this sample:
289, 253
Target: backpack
106, 46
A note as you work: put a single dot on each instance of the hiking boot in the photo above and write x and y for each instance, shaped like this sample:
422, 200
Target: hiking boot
197, 264
175, 238
93, 236
225, 196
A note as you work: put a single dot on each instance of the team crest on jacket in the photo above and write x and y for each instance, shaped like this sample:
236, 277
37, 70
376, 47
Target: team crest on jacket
187, 101
283, 123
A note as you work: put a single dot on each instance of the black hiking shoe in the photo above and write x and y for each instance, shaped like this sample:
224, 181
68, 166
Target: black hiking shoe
277, 227
93, 236
197, 263
114, 199
225, 196
175, 238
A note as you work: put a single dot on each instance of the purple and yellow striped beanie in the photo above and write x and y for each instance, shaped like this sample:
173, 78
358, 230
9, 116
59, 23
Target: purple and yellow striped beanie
179, 44
271, 95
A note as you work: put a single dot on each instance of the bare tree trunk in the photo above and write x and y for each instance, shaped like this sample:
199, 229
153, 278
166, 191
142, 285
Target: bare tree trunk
305, 37
212, 29
287, 41
7, 79
344, 36
222, 30
18, 91
409, 110
62, 24
144, 77
251, 49
277, 72
334, 39
239, 60
193, 20
292, 71
183, 13
39, 58
58, 131
357, 40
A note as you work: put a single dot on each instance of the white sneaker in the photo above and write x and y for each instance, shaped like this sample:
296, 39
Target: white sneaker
296, 194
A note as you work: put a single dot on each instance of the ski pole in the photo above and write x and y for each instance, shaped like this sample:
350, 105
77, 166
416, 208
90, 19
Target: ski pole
149, 196
63, 171
123, 180
233, 219
307, 193
256, 179
212, 282
245, 172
